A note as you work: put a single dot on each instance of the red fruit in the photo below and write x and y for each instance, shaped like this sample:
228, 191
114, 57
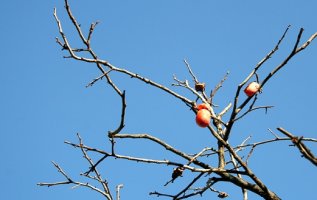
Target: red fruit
203, 106
203, 118
251, 89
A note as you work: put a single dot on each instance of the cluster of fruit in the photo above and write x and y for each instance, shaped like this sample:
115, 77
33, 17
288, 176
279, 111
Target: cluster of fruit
203, 116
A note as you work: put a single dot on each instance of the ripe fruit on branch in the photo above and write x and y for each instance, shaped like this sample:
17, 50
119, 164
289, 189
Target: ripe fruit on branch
203, 118
251, 89
203, 106
203, 115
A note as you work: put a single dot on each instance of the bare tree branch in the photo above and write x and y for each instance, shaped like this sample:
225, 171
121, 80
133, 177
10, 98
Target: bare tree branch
219, 85
231, 167
190, 71
297, 141
98, 176
105, 63
118, 190
76, 183
253, 109
236, 108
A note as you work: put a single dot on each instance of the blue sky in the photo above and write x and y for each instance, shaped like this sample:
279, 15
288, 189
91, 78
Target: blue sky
44, 100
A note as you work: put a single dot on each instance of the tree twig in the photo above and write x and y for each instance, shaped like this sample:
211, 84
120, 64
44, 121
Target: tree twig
297, 141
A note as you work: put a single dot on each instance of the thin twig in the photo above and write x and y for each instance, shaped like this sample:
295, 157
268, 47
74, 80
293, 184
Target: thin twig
219, 85
91, 30
94, 169
118, 190
253, 109
76, 183
191, 71
98, 78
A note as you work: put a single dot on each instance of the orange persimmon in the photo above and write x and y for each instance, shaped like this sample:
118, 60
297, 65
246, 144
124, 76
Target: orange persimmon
203, 118
203, 106
251, 89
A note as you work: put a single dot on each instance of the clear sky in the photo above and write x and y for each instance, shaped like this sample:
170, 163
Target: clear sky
44, 100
